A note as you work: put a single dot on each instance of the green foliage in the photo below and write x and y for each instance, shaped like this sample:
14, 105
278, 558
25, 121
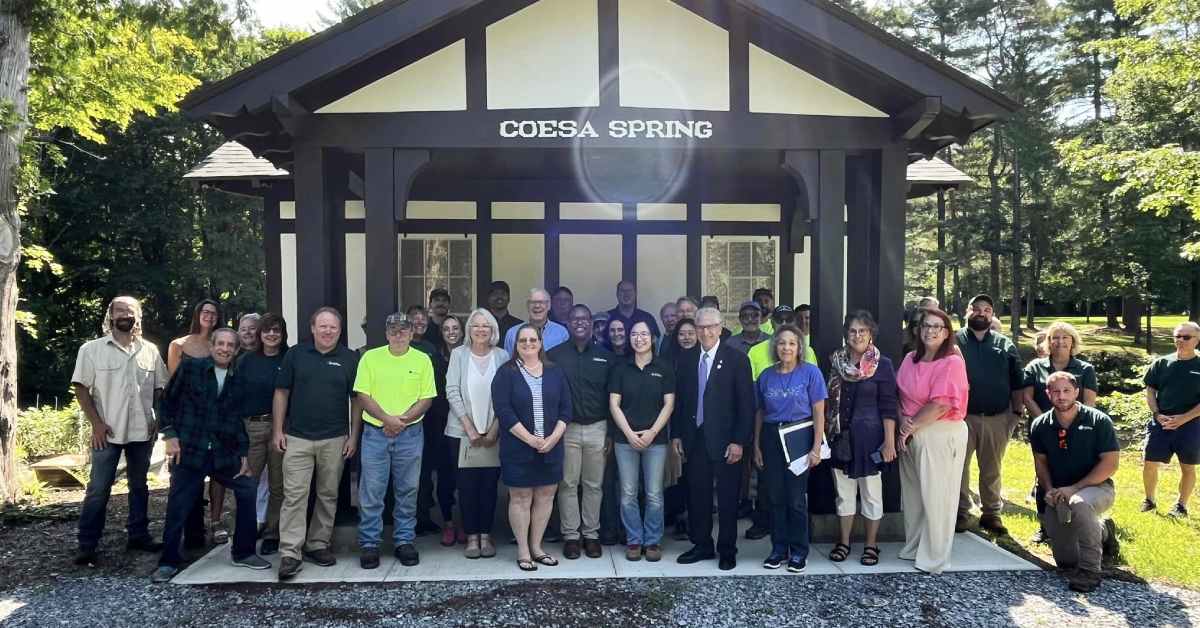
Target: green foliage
1128, 410
1118, 371
44, 431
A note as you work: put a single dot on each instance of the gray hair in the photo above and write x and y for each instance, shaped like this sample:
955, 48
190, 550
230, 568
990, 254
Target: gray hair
212, 339
253, 316
707, 312
1192, 325
490, 320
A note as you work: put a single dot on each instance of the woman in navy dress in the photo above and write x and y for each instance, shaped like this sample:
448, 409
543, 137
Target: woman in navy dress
532, 400
863, 410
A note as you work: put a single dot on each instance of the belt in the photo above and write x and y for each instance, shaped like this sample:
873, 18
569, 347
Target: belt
259, 418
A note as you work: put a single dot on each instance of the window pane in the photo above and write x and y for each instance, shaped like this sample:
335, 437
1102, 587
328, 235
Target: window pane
412, 291
740, 290
436, 259
764, 259
412, 257
739, 259
460, 258
460, 295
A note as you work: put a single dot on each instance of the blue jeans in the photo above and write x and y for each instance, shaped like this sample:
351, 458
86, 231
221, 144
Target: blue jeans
397, 458
652, 462
186, 484
99, 488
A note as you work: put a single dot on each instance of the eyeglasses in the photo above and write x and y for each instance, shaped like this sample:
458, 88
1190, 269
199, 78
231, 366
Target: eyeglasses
933, 328
1183, 337
527, 341
640, 334
861, 332
1062, 438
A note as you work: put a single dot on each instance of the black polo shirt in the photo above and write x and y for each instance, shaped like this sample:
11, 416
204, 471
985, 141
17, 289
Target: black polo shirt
638, 316
1177, 383
1090, 434
642, 391
1039, 370
993, 371
321, 386
258, 373
587, 372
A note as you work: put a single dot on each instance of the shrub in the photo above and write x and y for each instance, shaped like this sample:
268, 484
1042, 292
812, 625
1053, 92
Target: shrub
1129, 413
44, 431
1119, 371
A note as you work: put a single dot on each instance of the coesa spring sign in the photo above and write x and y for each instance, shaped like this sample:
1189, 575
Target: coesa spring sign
616, 129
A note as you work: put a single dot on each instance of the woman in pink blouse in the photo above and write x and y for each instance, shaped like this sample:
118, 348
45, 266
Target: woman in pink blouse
933, 439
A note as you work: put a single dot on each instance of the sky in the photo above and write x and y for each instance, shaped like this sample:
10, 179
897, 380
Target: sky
295, 13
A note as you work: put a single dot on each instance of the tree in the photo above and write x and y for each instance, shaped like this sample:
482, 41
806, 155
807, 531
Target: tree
68, 70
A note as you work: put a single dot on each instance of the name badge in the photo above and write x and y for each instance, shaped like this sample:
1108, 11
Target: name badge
655, 374
332, 363
600, 360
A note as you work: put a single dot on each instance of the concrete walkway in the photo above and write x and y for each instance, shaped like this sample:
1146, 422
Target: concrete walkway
438, 563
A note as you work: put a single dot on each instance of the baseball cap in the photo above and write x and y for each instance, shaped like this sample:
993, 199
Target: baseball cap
752, 305
397, 321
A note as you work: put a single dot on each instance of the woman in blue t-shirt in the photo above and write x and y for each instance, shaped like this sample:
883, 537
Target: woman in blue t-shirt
790, 393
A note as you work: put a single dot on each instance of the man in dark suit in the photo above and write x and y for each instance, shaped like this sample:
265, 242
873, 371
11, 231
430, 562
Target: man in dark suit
712, 425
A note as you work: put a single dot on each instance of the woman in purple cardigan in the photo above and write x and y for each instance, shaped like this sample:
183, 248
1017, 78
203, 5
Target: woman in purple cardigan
532, 400
861, 413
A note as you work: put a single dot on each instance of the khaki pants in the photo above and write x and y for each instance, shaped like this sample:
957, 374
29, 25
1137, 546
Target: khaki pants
583, 463
299, 462
927, 483
1078, 544
263, 456
987, 438
868, 490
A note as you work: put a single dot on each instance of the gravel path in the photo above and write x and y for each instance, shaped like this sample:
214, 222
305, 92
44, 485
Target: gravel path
971, 599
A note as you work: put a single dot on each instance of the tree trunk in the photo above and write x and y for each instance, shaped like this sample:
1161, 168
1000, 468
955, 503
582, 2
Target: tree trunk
941, 248
994, 202
1035, 270
1194, 296
14, 78
1015, 257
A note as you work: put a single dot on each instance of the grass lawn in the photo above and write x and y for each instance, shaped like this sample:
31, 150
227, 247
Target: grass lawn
1097, 338
1154, 547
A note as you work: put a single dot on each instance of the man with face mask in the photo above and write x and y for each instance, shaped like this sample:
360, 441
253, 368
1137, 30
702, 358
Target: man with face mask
993, 409
205, 436
116, 380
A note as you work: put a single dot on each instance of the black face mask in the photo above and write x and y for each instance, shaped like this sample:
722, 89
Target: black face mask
979, 323
124, 325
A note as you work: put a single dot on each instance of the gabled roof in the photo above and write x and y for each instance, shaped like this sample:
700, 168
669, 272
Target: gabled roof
394, 21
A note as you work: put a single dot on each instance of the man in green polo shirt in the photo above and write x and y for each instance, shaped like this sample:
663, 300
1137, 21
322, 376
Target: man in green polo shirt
1075, 454
395, 387
1173, 395
760, 354
312, 428
993, 408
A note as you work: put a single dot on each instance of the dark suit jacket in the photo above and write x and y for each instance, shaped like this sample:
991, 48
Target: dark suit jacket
728, 400
513, 402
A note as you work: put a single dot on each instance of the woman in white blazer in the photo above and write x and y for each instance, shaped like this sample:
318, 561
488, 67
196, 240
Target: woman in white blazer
473, 422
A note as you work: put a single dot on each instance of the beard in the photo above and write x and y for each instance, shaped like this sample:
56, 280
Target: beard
979, 323
124, 325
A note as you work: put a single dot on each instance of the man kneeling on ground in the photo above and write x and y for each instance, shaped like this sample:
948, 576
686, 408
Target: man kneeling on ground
205, 436
1075, 454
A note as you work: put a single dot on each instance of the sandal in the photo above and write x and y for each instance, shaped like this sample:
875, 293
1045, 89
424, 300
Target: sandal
524, 564
870, 556
547, 560
839, 553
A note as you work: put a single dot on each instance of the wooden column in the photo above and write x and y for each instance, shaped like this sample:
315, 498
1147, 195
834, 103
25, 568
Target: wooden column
862, 229
893, 190
389, 175
314, 242
829, 255
271, 249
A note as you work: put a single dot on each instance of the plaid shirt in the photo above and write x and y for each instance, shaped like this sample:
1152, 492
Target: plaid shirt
197, 415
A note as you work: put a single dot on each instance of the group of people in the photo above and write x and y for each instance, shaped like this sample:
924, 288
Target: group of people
590, 417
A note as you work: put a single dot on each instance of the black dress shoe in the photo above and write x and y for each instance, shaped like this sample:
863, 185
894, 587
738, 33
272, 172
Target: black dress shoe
726, 563
143, 545
369, 559
695, 555
756, 532
268, 547
571, 549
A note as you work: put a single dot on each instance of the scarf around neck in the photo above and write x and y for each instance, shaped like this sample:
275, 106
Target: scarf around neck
844, 370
